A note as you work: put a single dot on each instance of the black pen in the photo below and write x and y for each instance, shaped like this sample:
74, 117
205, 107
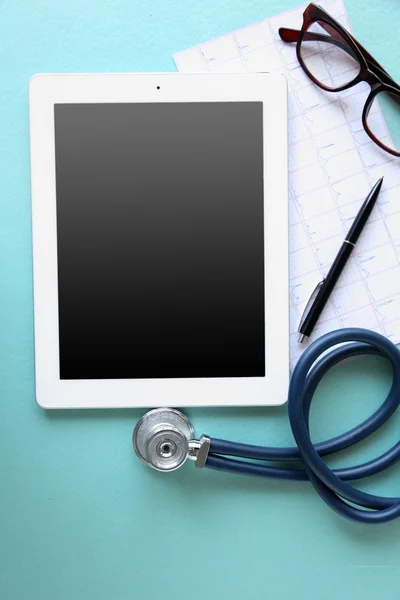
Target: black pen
320, 295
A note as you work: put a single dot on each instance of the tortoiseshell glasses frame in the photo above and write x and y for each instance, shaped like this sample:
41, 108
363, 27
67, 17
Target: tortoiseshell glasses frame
369, 71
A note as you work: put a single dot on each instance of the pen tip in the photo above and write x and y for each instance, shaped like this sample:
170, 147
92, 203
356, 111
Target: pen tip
378, 185
301, 338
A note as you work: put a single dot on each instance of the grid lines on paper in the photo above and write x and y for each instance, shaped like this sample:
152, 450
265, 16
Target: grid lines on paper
332, 166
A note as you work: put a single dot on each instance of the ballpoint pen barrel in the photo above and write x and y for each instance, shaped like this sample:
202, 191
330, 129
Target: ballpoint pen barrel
318, 303
326, 289
364, 213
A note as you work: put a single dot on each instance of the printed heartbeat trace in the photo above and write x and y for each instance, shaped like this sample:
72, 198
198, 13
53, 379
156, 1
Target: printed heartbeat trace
332, 166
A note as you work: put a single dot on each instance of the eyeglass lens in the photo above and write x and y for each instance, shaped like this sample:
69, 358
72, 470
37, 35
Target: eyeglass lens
387, 131
327, 56
331, 61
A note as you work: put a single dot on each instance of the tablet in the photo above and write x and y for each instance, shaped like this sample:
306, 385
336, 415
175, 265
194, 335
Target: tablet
160, 239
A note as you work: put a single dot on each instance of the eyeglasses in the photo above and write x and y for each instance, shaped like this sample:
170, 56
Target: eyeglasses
334, 60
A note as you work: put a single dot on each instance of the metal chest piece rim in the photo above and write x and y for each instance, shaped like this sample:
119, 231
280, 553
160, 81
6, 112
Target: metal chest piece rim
161, 439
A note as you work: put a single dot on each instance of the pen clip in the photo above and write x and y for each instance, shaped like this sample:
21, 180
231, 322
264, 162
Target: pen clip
310, 303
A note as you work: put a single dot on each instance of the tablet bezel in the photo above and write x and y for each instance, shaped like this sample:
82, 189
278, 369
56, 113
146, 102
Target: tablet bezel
47, 90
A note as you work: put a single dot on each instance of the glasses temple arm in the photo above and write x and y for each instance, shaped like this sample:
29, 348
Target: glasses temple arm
292, 35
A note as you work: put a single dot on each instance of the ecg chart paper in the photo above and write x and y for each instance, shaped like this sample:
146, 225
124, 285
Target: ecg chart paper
333, 164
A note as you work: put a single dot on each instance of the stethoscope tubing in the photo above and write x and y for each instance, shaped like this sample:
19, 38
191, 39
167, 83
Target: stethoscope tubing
330, 484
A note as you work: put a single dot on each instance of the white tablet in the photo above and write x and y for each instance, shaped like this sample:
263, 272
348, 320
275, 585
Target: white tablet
160, 239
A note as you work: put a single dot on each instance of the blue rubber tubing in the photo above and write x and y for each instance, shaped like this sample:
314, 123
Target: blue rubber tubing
330, 484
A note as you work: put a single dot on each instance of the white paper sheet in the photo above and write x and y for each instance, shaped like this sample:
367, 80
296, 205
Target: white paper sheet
332, 166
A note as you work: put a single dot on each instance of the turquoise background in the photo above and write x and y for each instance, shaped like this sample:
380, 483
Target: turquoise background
80, 517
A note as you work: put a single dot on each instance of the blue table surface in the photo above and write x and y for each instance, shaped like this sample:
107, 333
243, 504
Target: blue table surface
80, 517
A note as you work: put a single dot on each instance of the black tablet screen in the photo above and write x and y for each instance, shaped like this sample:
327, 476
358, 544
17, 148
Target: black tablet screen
160, 240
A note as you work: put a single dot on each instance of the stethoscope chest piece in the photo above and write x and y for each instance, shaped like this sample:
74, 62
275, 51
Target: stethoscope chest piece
161, 439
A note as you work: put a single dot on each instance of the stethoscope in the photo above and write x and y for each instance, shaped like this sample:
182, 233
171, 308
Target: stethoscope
164, 438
